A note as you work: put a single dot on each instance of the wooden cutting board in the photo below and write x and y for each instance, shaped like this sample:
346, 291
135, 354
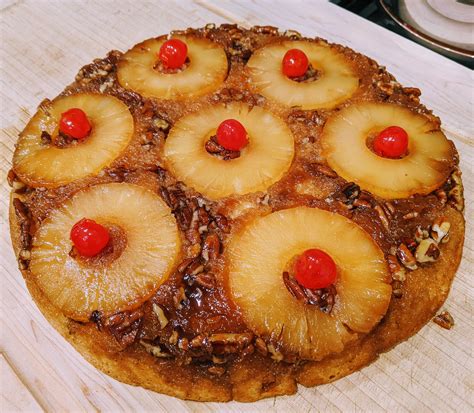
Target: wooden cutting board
44, 43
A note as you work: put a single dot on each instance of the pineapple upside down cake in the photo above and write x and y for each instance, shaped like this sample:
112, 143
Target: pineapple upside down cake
223, 213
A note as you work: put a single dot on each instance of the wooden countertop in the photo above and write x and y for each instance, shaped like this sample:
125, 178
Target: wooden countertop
44, 43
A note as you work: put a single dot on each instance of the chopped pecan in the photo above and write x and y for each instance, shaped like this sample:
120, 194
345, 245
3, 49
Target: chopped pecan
154, 350
161, 315
125, 326
361, 203
310, 75
397, 271
173, 339
427, 251
382, 216
456, 193
96, 317
410, 215
250, 349
294, 287
292, 34
222, 223
22, 213
183, 343
351, 191
212, 147
184, 216
161, 124
420, 234
118, 174
186, 263
179, 298
406, 257
218, 371
261, 346
265, 30
440, 230
21, 210
198, 341
324, 170
397, 290
240, 339
324, 298
445, 320
442, 196
212, 247
388, 208
205, 279
275, 354
218, 360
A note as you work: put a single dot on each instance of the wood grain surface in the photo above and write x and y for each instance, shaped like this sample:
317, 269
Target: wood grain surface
44, 43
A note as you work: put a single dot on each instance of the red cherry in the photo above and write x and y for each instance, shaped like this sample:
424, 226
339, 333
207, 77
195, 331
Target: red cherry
392, 142
74, 123
232, 135
315, 269
295, 63
89, 237
173, 53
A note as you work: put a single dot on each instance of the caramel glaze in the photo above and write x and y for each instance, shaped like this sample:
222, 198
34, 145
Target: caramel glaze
309, 181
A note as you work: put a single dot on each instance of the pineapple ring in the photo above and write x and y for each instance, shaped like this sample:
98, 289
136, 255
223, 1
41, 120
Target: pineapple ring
428, 164
336, 84
263, 161
49, 166
78, 288
206, 71
258, 255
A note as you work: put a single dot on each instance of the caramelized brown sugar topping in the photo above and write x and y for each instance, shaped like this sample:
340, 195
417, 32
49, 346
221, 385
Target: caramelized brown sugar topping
191, 315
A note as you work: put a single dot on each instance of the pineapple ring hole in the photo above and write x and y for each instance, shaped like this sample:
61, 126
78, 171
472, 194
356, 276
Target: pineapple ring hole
369, 142
313, 73
160, 68
224, 155
113, 250
60, 140
322, 298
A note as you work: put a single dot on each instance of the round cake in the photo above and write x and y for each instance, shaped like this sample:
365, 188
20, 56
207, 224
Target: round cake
223, 213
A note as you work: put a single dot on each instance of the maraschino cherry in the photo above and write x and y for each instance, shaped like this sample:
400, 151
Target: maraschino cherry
295, 63
173, 53
315, 269
392, 142
232, 135
74, 123
89, 237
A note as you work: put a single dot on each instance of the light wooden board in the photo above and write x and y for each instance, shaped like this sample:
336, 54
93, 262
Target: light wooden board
44, 43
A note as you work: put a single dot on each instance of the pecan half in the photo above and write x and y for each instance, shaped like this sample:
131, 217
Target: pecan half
444, 320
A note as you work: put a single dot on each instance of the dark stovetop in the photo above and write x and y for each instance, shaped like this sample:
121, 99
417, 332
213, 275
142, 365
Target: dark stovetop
371, 10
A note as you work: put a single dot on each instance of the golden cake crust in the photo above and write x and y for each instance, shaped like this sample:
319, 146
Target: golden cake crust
308, 182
